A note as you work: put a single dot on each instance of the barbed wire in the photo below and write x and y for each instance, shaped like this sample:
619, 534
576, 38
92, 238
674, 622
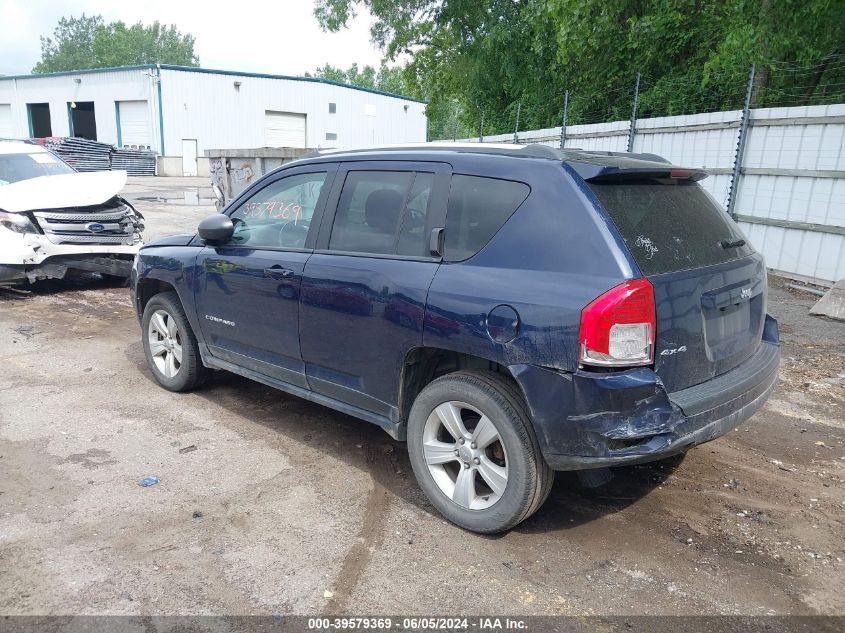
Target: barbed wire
787, 65
778, 83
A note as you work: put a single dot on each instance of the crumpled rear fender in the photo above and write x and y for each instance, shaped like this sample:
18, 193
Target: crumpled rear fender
577, 413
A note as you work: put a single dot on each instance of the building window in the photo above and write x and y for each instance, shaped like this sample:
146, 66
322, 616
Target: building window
332, 108
331, 136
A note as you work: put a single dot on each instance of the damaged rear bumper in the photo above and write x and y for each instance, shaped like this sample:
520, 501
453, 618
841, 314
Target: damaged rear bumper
592, 420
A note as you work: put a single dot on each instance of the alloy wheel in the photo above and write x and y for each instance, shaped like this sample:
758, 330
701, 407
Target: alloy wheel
165, 343
465, 455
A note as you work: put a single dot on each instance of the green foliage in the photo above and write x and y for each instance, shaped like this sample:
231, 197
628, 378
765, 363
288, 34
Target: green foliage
87, 42
474, 56
72, 45
386, 79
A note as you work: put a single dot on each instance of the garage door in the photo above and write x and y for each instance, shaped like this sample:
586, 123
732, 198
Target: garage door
134, 117
7, 130
284, 129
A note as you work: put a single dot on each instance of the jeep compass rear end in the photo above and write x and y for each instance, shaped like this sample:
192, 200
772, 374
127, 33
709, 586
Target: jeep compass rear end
509, 311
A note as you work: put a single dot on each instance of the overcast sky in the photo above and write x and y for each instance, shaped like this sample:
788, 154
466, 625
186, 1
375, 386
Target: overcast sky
280, 37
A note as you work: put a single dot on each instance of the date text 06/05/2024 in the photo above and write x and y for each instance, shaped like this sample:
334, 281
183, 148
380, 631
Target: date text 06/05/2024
417, 623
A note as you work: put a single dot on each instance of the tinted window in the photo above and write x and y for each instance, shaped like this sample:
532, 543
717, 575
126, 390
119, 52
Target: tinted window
383, 212
478, 207
413, 234
670, 226
17, 167
279, 214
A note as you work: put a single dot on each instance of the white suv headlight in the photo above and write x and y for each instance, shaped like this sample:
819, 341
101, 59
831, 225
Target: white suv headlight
16, 222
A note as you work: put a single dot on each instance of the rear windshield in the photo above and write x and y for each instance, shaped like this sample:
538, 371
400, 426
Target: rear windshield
17, 167
670, 225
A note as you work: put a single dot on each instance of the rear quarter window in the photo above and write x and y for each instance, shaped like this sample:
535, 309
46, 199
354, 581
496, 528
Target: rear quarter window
478, 208
670, 226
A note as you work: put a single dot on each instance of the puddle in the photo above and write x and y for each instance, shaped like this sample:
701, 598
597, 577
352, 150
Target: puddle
190, 197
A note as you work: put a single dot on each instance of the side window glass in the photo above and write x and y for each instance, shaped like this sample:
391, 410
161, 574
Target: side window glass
278, 216
382, 212
478, 208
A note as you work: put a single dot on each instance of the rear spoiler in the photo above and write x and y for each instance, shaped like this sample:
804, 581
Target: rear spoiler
597, 166
633, 169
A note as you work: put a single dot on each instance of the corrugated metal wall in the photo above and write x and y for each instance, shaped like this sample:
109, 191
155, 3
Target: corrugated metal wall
102, 87
791, 193
812, 142
210, 108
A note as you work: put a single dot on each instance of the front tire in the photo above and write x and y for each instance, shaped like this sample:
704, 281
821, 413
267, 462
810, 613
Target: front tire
170, 346
474, 452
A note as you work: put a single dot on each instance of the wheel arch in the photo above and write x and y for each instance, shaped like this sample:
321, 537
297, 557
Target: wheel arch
147, 288
424, 364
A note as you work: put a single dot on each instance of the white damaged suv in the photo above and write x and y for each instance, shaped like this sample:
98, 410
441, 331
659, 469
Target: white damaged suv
54, 219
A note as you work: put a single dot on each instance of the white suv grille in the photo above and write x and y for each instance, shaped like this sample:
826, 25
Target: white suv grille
119, 226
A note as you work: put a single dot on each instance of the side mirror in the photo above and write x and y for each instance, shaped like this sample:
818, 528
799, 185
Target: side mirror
216, 229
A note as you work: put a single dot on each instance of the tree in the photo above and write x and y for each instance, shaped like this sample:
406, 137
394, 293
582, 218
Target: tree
72, 45
693, 55
88, 42
364, 77
386, 79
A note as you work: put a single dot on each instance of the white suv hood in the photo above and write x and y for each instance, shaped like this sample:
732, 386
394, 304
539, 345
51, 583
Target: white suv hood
64, 190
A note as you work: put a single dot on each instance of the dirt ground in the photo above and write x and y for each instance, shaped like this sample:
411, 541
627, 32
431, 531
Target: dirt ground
270, 504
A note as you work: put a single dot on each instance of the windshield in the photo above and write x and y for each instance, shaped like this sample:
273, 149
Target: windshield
17, 167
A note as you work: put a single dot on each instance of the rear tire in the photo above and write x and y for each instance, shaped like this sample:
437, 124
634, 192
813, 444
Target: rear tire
170, 346
474, 452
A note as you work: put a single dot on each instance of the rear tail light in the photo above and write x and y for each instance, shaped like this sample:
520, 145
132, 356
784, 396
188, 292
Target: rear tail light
617, 328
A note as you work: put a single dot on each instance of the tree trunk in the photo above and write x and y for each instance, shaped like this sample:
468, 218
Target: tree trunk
761, 78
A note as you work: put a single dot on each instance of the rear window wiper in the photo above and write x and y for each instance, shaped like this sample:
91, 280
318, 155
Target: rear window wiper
728, 244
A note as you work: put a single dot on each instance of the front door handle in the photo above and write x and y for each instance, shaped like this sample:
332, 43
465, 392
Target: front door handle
278, 272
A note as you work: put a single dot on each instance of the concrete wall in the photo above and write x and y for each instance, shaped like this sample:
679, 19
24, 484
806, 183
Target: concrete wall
233, 170
791, 193
172, 166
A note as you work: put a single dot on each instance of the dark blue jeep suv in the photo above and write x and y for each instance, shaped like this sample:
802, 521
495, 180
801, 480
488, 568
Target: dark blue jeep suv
509, 311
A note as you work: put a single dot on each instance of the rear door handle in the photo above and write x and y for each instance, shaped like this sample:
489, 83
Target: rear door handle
278, 272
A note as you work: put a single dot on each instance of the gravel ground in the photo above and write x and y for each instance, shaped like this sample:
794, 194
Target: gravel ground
270, 504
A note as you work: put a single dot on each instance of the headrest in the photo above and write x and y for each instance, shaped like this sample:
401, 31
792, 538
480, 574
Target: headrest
382, 209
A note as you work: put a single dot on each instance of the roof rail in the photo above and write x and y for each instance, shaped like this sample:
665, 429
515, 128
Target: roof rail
527, 151
541, 151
